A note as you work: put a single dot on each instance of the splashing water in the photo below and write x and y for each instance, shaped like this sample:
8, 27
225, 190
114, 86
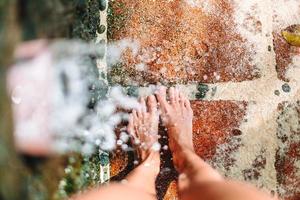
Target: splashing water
65, 101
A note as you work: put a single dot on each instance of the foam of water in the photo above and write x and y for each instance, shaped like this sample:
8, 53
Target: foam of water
53, 91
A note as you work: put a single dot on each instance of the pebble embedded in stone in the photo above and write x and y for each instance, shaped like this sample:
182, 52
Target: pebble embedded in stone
269, 48
202, 90
102, 5
101, 29
286, 87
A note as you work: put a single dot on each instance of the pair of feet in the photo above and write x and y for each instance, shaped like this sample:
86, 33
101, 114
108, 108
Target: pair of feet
176, 115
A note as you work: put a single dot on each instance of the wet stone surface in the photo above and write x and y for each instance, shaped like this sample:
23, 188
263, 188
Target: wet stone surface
180, 47
288, 152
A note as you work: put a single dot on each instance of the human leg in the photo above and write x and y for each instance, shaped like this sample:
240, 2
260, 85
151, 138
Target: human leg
197, 180
140, 183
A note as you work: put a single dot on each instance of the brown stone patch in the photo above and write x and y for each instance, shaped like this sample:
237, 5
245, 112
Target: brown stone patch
118, 163
283, 55
180, 43
254, 172
172, 191
214, 123
288, 152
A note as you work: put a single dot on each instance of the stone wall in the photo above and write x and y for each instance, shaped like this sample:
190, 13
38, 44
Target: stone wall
230, 58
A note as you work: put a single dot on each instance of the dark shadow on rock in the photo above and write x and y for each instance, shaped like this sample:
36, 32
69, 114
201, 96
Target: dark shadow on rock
167, 172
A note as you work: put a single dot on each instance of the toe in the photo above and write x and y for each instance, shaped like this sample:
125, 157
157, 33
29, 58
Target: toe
130, 127
181, 99
187, 105
142, 110
185, 102
143, 105
161, 97
172, 95
176, 95
135, 115
152, 104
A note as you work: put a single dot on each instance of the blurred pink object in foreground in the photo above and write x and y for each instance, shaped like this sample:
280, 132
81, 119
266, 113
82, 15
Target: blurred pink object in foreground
29, 85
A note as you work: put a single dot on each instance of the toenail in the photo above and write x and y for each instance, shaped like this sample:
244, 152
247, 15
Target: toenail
124, 181
182, 176
137, 141
147, 164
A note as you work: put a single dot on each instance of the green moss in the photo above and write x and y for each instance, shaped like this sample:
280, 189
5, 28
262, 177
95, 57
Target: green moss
81, 173
86, 19
116, 18
80, 19
119, 74
133, 91
202, 90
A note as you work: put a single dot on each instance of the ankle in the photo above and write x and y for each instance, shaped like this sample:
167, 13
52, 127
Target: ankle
183, 158
151, 164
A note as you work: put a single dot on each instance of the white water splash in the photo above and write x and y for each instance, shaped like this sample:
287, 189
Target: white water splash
54, 113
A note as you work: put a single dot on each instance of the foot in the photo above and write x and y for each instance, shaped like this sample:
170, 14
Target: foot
177, 116
143, 127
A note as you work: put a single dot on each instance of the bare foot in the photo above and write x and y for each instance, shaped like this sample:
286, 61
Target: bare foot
177, 117
143, 127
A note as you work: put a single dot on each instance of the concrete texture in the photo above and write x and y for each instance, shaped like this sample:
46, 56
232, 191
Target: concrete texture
247, 117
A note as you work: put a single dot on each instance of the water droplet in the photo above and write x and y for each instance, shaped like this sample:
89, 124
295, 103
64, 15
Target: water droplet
98, 142
67, 170
156, 146
124, 147
124, 137
147, 164
16, 95
137, 141
135, 162
124, 181
165, 147
119, 142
